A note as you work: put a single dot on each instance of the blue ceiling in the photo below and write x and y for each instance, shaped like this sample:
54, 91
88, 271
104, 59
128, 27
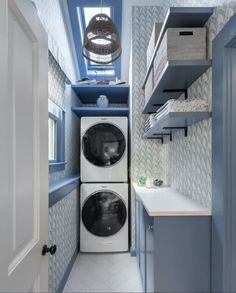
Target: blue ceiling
78, 27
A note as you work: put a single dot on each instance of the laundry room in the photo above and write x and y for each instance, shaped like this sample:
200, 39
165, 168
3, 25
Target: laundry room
117, 149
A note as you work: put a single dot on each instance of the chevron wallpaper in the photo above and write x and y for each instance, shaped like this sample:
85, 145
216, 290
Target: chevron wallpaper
64, 232
184, 163
60, 93
53, 19
147, 156
64, 215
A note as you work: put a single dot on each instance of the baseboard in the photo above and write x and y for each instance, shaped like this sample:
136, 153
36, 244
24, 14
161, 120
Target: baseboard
67, 272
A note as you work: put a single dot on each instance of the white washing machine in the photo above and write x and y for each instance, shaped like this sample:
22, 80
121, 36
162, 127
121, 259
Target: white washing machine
104, 148
104, 217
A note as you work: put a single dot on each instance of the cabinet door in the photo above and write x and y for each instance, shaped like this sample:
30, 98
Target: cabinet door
149, 254
142, 246
137, 229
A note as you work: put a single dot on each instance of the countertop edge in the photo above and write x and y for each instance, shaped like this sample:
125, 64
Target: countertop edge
171, 213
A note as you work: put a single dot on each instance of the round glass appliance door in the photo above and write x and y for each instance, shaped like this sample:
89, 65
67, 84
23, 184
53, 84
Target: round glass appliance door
103, 144
104, 213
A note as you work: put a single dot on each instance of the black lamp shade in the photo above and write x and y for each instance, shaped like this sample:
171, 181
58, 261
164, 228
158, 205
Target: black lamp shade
101, 40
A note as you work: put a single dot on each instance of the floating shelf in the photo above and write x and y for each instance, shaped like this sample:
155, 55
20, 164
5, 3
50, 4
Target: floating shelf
92, 111
177, 75
88, 94
175, 121
180, 17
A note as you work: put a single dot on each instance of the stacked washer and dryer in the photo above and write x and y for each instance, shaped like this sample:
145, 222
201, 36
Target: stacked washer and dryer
104, 190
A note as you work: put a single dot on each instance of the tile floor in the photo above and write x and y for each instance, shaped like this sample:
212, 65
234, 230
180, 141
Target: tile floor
104, 273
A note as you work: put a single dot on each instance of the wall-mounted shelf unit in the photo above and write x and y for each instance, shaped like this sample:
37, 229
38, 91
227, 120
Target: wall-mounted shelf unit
94, 111
174, 121
88, 94
174, 80
180, 17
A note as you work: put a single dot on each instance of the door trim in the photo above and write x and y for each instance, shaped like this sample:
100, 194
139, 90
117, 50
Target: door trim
223, 159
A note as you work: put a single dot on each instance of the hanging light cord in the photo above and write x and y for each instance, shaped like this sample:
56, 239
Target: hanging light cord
101, 6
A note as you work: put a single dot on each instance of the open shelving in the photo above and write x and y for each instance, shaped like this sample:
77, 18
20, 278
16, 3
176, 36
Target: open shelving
95, 111
180, 17
176, 77
88, 93
174, 121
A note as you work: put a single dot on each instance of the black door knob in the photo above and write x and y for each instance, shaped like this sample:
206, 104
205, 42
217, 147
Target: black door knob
52, 250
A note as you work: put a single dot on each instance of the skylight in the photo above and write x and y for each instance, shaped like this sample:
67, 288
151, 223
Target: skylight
89, 12
81, 13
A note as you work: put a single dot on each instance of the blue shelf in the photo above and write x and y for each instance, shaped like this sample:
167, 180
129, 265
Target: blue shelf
180, 17
88, 94
176, 75
175, 120
91, 111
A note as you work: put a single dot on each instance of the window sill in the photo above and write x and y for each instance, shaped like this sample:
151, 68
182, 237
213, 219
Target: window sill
57, 163
56, 166
61, 188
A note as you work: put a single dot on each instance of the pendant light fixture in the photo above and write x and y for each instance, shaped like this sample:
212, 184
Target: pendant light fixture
101, 42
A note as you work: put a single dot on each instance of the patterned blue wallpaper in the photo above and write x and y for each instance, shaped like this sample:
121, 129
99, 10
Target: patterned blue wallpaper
64, 215
52, 17
60, 93
64, 232
148, 157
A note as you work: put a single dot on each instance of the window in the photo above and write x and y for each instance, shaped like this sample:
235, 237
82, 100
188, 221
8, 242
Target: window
90, 12
52, 124
56, 135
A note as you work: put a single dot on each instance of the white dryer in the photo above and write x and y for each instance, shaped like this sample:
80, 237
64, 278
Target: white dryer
104, 217
104, 148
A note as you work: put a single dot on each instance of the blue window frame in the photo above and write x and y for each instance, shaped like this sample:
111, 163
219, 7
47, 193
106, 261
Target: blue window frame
56, 148
77, 12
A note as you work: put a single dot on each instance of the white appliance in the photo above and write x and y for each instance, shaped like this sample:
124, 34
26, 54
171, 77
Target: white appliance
104, 217
104, 149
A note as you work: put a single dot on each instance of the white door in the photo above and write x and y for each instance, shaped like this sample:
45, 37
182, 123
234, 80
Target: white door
23, 148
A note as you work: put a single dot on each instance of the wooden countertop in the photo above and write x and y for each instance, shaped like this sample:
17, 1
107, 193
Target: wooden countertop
164, 201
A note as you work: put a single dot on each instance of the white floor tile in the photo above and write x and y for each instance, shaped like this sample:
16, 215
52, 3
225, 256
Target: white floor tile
104, 273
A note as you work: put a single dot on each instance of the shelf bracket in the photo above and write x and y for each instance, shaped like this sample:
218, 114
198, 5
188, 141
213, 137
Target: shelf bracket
168, 134
160, 138
165, 134
158, 105
184, 128
185, 91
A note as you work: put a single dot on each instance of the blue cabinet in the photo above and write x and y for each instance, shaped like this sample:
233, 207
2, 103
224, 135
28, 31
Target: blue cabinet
142, 245
174, 252
149, 226
137, 232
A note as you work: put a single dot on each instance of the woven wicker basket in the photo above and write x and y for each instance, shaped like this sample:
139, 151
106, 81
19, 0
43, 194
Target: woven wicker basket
180, 44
